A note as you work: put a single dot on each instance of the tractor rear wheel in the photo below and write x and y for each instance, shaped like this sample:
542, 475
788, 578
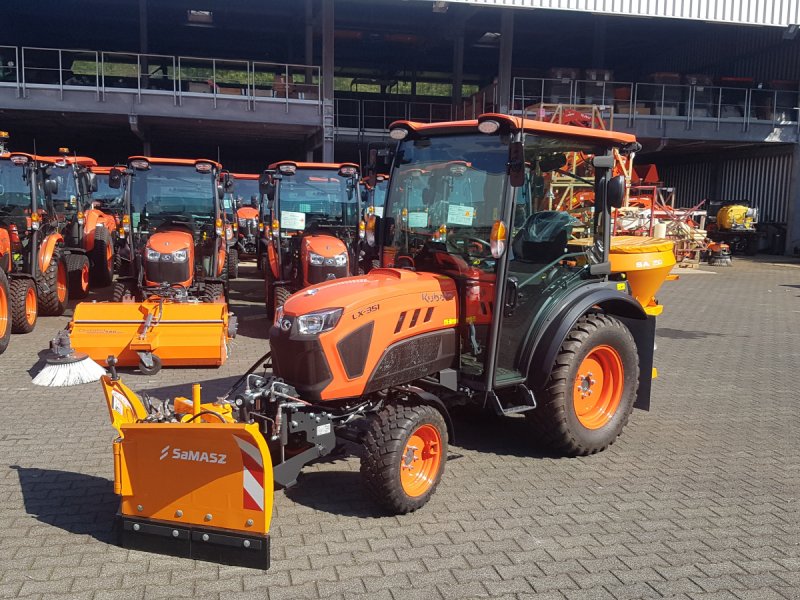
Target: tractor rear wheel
589, 394
5, 312
405, 451
102, 258
52, 286
233, 264
214, 292
77, 275
24, 305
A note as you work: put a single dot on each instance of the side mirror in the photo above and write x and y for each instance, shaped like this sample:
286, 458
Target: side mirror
615, 192
220, 191
115, 179
227, 182
372, 168
516, 164
91, 180
51, 187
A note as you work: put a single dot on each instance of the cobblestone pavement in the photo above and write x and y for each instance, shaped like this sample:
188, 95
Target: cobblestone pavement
699, 498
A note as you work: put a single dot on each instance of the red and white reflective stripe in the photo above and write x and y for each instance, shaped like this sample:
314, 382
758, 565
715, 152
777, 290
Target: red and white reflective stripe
252, 475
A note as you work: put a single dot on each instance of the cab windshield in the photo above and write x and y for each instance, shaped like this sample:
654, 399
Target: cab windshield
245, 192
66, 199
109, 196
317, 196
172, 193
15, 191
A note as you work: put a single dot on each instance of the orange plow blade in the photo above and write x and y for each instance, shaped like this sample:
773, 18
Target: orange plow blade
178, 333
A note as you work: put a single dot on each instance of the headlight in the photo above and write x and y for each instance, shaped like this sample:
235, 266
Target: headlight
318, 322
340, 260
242, 222
152, 254
177, 256
316, 259
180, 255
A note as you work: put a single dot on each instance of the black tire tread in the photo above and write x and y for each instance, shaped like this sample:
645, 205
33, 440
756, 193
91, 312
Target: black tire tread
213, 292
75, 263
18, 290
46, 288
383, 447
549, 420
233, 264
122, 289
99, 273
5, 287
281, 295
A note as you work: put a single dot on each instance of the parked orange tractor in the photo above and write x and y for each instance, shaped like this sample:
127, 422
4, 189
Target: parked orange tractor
170, 301
485, 301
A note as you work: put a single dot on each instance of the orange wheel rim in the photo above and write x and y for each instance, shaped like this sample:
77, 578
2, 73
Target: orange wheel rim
85, 277
420, 462
598, 387
3, 312
61, 282
31, 306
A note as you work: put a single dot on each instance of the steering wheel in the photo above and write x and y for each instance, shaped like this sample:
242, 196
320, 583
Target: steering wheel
468, 238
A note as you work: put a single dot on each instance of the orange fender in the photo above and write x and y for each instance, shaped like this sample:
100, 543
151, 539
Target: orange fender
47, 248
5, 249
94, 217
222, 256
273, 259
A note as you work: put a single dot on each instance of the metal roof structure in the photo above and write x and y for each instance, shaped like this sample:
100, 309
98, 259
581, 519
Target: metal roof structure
775, 13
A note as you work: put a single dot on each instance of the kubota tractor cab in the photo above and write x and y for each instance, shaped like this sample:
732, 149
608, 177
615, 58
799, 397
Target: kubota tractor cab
485, 299
374, 198
315, 216
174, 228
32, 255
88, 231
247, 202
109, 198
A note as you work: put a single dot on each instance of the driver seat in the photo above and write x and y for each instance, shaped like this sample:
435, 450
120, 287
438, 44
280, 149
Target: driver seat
543, 237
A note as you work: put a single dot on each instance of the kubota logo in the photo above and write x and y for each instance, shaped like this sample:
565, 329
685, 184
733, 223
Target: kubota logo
214, 458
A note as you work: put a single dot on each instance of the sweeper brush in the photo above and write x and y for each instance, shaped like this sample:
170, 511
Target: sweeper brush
64, 366
719, 255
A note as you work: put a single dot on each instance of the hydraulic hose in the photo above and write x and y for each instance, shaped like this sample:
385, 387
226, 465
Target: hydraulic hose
248, 372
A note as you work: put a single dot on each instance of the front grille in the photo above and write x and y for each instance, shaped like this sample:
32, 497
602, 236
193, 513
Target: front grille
300, 362
166, 272
322, 273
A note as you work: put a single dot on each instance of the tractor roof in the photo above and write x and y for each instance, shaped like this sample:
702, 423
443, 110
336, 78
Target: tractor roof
189, 162
42, 159
517, 124
83, 161
312, 165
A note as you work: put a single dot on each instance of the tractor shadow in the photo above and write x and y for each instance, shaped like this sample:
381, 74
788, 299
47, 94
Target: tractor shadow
75, 502
210, 388
684, 334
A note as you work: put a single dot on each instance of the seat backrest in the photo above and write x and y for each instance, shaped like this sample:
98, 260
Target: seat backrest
543, 237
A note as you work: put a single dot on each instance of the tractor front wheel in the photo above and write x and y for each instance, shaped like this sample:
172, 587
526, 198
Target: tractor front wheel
52, 286
281, 296
5, 312
125, 291
405, 451
102, 258
77, 275
590, 392
214, 292
233, 264
24, 305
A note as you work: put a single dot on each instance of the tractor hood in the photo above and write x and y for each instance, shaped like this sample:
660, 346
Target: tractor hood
395, 326
397, 286
167, 242
326, 246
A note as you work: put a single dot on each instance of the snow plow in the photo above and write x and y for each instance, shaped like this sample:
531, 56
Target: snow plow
169, 303
483, 301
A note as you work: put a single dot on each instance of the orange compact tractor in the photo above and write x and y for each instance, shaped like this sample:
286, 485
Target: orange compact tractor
32, 255
247, 199
169, 303
88, 231
484, 300
315, 216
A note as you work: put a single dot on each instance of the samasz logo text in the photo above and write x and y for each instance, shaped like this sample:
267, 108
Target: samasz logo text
214, 458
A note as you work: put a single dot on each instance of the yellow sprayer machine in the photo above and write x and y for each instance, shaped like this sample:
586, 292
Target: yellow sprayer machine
169, 303
482, 299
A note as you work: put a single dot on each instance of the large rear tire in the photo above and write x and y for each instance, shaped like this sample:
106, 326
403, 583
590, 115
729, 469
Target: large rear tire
52, 286
233, 264
5, 312
24, 305
77, 275
214, 292
102, 258
405, 451
589, 394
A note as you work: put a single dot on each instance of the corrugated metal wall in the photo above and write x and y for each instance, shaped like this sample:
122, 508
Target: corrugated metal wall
763, 180
752, 12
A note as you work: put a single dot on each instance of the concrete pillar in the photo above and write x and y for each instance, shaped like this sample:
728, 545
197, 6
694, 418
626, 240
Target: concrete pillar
458, 67
327, 80
309, 60
504, 69
793, 218
143, 64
